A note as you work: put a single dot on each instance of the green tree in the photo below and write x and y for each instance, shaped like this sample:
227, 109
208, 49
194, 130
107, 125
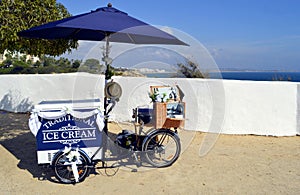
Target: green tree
37, 64
76, 64
18, 15
92, 66
47, 65
191, 70
63, 62
48, 61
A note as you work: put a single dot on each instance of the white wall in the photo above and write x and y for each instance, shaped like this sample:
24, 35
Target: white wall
19, 93
226, 106
267, 108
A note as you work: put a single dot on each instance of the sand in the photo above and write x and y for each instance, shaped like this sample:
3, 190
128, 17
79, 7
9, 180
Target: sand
236, 165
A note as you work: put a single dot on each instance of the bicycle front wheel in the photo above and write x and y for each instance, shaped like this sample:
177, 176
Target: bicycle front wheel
63, 168
162, 148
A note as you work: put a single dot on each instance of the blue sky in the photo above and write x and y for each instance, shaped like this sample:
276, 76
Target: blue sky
242, 34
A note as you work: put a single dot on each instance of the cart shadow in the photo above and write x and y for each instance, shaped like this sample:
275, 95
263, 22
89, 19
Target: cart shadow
23, 147
16, 138
124, 158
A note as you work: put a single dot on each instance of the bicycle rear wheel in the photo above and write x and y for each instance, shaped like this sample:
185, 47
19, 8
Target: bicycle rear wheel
162, 148
63, 167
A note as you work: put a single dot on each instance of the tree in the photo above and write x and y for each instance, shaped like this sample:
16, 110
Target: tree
191, 70
18, 15
49, 64
48, 61
92, 66
76, 64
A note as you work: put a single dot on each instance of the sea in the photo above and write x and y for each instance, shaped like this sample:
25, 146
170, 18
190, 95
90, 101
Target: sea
243, 75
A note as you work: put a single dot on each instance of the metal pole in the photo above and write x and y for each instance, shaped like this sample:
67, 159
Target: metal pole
107, 77
106, 58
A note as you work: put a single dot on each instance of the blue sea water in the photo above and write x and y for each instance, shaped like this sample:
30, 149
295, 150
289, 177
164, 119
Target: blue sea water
244, 75
259, 76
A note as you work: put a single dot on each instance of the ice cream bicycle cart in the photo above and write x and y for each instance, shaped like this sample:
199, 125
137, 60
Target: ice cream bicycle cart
72, 139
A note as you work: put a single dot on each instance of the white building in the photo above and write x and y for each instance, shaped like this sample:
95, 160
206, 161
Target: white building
17, 54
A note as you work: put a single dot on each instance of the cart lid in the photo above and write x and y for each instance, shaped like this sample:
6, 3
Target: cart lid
70, 104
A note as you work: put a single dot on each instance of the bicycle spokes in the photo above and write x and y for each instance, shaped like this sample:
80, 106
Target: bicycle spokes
162, 148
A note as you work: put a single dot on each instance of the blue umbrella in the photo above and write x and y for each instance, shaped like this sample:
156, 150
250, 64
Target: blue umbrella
98, 24
105, 23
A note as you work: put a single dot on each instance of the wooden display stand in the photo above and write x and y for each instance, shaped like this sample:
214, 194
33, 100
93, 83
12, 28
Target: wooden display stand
161, 119
165, 109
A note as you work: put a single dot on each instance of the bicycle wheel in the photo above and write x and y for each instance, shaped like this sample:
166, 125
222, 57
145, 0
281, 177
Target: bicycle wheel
162, 148
63, 167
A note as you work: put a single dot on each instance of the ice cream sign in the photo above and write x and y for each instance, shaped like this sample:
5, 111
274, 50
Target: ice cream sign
68, 130
69, 133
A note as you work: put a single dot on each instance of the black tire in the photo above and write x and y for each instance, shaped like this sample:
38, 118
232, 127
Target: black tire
162, 148
63, 168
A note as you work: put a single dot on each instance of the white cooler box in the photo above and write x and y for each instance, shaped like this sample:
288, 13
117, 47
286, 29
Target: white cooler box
60, 124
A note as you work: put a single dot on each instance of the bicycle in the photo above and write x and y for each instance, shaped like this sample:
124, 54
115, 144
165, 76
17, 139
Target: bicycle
159, 147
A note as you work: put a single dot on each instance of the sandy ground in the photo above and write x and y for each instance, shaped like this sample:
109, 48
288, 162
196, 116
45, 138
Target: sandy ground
235, 165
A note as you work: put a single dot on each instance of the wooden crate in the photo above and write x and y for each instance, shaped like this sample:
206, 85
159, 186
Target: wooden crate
162, 121
160, 114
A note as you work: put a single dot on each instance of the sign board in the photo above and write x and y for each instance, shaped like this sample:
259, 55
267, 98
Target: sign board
68, 131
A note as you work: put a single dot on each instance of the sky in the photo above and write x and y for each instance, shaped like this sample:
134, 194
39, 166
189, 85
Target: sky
239, 34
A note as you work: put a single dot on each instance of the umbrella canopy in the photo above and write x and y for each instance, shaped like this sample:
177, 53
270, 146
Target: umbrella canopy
105, 22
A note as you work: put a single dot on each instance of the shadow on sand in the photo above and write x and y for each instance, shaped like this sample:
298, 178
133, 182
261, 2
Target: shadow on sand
8, 102
16, 137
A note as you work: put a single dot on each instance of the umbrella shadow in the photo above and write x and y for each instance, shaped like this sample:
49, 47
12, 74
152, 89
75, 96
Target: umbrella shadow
7, 102
16, 138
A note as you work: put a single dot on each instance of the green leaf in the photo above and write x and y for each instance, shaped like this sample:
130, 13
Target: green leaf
18, 15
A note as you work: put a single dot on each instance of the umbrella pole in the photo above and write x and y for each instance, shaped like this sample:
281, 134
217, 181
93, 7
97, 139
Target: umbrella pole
106, 58
107, 77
